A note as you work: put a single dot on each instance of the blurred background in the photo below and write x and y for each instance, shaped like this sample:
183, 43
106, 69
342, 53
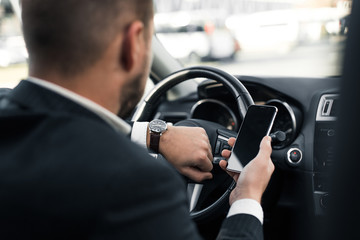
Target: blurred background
256, 37
245, 37
13, 54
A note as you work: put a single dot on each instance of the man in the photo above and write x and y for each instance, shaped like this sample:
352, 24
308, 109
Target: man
68, 169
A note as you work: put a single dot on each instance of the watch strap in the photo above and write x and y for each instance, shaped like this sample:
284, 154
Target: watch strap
154, 141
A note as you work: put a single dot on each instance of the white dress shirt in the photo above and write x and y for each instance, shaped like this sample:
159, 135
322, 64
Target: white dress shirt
138, 135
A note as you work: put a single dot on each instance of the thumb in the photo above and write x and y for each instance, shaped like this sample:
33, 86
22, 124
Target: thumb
264, 154
265, 147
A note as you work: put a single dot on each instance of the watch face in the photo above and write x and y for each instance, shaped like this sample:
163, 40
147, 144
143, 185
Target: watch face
157, 126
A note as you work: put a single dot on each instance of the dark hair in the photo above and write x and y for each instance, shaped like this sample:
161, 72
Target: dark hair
70, 35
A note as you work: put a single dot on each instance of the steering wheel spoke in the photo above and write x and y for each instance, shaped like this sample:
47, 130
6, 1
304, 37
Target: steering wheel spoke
194, 192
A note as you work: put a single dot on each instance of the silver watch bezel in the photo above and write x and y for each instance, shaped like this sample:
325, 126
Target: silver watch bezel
157, 126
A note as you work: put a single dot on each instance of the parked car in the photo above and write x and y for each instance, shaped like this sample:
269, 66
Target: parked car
192, 40
282, 29
12, 50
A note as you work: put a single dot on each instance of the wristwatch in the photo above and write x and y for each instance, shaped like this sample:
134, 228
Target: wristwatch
157, 127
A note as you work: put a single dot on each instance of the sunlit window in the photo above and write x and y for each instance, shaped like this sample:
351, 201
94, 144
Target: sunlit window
256, 37
248, 37
13, 54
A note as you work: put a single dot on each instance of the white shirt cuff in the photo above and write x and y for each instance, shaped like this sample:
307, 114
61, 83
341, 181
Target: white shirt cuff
139, 133
247, 206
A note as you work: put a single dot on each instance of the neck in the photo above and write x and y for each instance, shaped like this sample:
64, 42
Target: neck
92, 84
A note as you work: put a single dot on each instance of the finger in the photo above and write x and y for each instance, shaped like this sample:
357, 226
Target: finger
223, 165
209, 149
264, 155
204, 164
226, 153
209, 152
195, 174
231, 141
210, 156
200, 160
265, 147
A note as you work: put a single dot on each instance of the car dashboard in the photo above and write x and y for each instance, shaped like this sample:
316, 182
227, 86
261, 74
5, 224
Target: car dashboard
298, 192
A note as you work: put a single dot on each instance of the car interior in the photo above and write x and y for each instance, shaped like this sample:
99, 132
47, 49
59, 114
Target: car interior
297, 199
305, 143
307, 113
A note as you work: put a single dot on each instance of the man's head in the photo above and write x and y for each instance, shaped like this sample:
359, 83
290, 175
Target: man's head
69, 37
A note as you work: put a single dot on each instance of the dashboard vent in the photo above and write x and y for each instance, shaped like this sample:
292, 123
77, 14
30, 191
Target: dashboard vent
327, 108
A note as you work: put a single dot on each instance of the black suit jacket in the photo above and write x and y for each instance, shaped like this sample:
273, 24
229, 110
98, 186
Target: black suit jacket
66, 174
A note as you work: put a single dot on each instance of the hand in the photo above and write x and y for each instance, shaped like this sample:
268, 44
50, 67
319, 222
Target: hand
189, 150
254, 178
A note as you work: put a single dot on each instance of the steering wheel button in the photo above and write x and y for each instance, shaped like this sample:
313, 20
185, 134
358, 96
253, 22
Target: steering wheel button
217, 160
226, 146
217, 147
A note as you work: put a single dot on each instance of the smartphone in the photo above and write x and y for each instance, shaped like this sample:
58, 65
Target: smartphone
257, 124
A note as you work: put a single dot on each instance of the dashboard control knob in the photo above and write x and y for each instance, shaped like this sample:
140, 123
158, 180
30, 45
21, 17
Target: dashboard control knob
294, 156
278, 136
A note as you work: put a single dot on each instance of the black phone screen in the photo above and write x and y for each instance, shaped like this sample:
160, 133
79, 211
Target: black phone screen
256, 124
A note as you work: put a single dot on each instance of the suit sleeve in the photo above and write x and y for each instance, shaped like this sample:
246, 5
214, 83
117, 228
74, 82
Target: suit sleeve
241, 226
145, 198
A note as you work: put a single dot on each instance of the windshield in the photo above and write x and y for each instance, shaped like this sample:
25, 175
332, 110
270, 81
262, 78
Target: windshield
248, 37
256, 37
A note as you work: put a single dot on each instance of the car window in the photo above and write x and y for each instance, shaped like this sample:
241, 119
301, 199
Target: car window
13, 54
249, 37
273, 37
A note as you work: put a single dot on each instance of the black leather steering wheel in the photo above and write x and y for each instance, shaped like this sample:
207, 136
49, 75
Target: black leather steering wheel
218, 134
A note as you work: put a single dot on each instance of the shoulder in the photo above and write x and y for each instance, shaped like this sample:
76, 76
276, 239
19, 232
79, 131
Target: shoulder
87, 155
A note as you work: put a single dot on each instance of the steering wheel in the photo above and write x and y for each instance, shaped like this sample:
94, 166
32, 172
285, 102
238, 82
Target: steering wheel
200, 208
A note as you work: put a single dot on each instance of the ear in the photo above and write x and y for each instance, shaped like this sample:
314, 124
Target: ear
133, 45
